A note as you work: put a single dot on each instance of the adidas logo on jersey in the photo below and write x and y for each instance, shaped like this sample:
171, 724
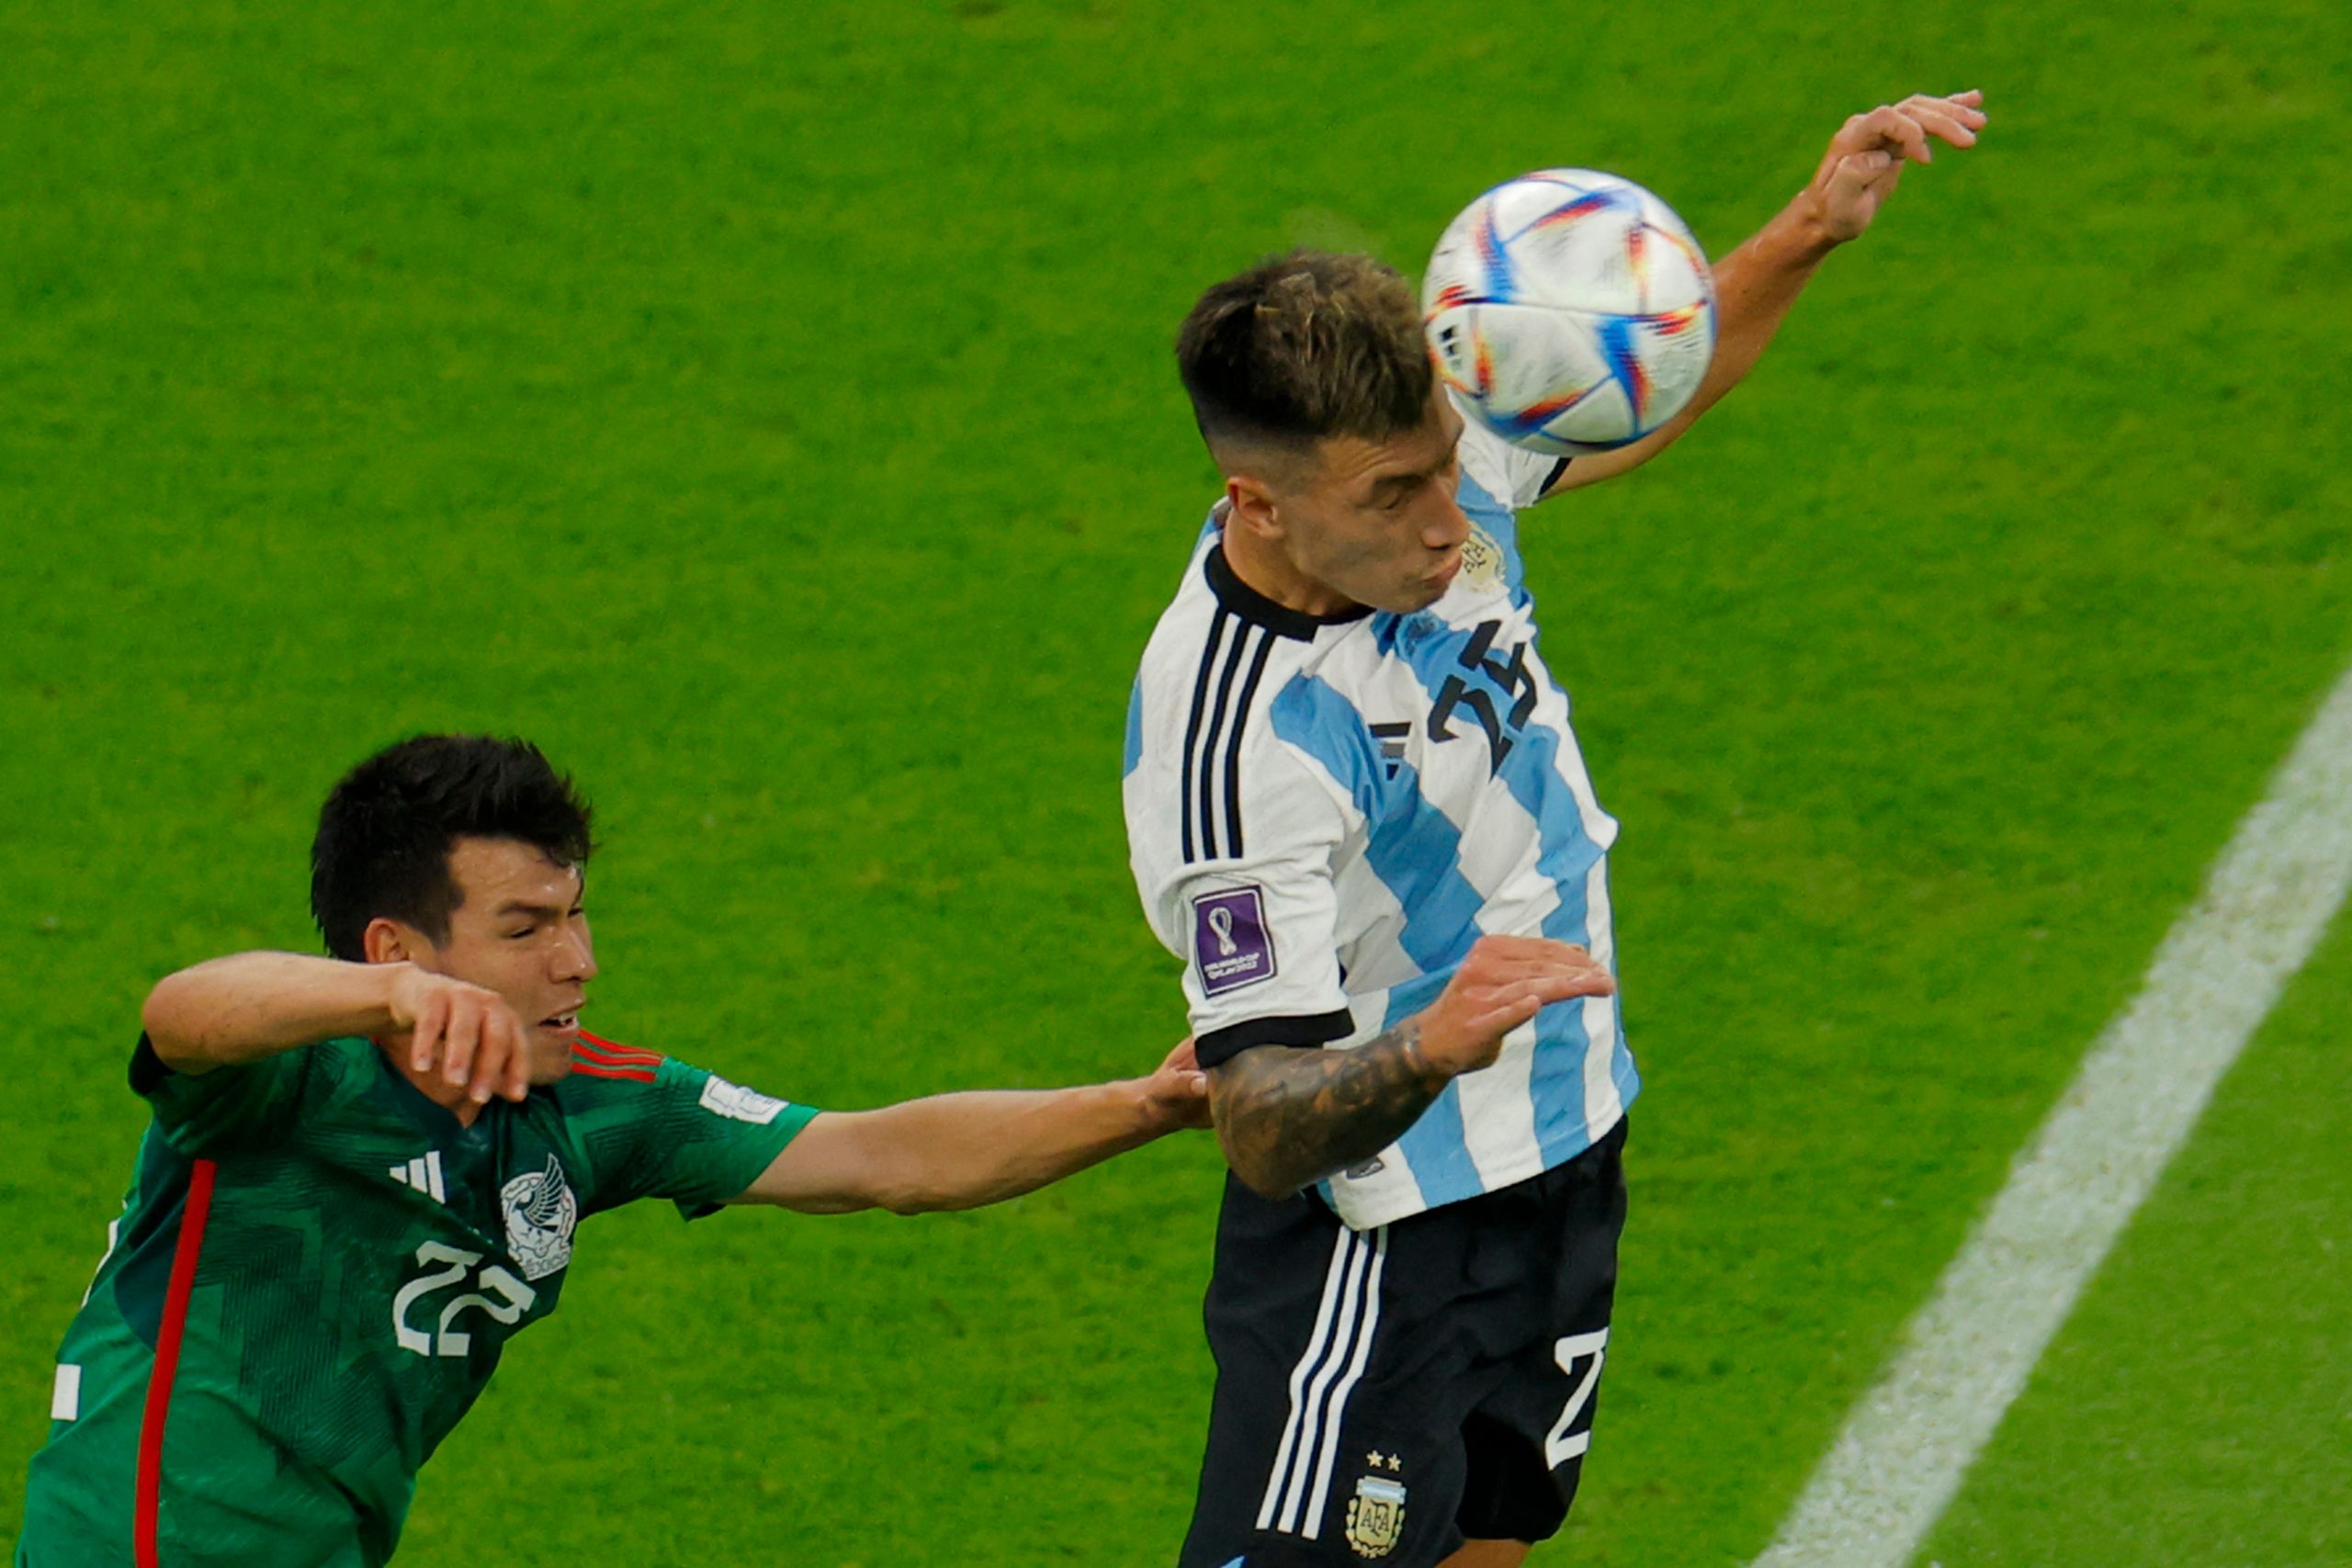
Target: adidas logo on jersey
423, 1173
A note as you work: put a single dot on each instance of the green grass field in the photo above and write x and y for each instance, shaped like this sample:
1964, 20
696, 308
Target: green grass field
771, 410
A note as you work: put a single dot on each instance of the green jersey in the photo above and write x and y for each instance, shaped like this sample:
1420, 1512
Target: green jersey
316, 1272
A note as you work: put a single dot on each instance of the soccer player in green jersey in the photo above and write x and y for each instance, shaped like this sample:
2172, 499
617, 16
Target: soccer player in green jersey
365, 1173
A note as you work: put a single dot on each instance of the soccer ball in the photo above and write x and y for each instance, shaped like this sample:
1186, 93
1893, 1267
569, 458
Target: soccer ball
1570, 311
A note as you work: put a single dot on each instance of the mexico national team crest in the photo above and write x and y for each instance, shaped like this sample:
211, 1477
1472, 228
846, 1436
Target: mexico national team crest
1376, 1516
540, 1212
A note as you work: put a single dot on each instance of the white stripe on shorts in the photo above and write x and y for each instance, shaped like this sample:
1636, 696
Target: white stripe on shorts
1342, 1253
1318, 1385
1347, 1384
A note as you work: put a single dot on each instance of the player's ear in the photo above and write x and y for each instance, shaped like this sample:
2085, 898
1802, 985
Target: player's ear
1252, 506
388, 940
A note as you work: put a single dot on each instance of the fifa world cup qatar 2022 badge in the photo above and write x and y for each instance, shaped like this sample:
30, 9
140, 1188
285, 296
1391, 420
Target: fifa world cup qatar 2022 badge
737, 1103
1230, 939
1376, 1513
540, 1212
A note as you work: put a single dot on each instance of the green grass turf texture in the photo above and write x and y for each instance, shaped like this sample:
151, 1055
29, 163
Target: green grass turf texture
769, 409
2196, 1407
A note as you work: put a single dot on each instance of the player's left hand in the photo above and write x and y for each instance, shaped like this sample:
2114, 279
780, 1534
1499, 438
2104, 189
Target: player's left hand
1176, 1093
1866, 158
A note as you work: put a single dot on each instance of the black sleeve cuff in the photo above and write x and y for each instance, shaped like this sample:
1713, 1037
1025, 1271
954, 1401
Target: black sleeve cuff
147, 1069
1558, 469
1219, 1046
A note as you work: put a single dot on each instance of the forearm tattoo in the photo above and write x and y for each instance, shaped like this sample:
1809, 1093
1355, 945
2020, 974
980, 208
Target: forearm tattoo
1288, 1118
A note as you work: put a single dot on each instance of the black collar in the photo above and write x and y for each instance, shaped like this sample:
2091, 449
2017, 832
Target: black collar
1251, 606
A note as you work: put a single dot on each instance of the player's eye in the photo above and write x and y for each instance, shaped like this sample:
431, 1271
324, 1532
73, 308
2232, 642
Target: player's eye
519, 935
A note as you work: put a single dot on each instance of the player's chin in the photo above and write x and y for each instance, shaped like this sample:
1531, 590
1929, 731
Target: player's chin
1424, 591
1419, 595
552, 1048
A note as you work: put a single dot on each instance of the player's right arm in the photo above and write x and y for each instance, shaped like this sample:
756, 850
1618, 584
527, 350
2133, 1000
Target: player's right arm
230, 1011
1758, 283
969, 1149
1288, 1116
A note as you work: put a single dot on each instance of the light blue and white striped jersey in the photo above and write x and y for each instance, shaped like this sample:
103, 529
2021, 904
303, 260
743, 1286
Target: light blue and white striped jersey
1323, 814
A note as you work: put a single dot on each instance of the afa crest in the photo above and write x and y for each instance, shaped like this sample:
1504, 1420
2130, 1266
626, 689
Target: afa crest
1482, 559
1376, 1517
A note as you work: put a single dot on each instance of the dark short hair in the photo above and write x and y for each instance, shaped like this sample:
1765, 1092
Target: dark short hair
385, 834
1305, 347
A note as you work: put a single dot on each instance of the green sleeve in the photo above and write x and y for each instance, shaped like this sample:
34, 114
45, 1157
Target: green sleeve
692, 1137
240, 1107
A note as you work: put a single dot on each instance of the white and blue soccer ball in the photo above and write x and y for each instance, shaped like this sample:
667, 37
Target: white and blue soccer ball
1570, 311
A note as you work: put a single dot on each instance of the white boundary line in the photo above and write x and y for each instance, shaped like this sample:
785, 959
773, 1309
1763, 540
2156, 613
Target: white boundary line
1899, 1461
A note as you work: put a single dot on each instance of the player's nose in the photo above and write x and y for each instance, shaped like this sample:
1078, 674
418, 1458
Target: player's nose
575, 957
1446, 527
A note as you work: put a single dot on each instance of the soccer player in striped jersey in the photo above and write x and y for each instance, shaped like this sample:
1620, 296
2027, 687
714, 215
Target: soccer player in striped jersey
364, 1175
1358, 814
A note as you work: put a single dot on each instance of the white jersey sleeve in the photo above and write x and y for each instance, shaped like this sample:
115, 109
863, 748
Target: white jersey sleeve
1234, 838
1257, 927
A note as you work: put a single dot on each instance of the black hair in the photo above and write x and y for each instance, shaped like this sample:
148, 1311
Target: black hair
385, 834
1304, 346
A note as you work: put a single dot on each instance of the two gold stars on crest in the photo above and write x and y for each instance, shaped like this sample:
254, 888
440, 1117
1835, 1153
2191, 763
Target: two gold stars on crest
1393, 1463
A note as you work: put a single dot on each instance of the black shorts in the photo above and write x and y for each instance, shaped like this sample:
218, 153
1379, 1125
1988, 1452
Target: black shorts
1384, 1395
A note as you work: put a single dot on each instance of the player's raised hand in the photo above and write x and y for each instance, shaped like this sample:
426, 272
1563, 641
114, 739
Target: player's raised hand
1505, 981
1176, 1093
465, 1035
1866, 158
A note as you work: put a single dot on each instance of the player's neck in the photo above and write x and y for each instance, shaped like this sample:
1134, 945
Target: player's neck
450, 1097
1263, 565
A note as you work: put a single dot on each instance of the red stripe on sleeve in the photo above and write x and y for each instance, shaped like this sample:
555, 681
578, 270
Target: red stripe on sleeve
148, 1506
606, 1054
610, 1052
592, 1069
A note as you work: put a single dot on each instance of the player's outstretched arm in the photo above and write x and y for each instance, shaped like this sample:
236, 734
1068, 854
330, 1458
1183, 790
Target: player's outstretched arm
961, 1150
1289, 1117
250, 1005
1757, 283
